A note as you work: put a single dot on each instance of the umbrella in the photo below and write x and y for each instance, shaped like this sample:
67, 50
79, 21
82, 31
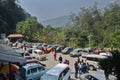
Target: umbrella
5, 68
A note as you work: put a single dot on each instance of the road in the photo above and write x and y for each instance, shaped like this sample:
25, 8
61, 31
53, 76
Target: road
50, 62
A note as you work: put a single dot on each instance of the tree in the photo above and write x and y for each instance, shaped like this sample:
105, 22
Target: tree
10, 14
115, 39
29, 28
111, 64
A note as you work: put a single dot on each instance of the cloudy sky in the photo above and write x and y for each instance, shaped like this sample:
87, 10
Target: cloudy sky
47, 9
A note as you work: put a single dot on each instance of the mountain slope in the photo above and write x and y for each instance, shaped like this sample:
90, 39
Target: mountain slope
57, 22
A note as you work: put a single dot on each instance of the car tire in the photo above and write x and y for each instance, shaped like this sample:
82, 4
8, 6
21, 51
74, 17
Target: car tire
92, 67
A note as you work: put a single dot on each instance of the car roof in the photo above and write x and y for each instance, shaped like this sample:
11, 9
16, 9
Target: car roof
57, 69
37, 50
31, 65
95, 56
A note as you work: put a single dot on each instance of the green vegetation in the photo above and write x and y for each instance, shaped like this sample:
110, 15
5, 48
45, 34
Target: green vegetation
91, 27
10, 14
111, 64
30, 28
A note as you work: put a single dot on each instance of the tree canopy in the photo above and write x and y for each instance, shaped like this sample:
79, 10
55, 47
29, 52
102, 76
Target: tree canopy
10, 14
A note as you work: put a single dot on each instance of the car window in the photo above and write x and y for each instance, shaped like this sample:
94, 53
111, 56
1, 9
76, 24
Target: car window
40, 52
65, 71
34, 70
40, 68
28, 72
35, 52
60, 76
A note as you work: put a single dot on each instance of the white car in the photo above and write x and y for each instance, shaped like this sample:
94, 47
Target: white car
19, 51
105, 54
38, 54
58, 72
92, 60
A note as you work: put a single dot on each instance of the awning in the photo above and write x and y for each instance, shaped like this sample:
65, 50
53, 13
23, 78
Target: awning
9, 55
15, 35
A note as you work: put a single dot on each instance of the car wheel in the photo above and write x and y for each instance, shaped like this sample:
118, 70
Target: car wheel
91, 67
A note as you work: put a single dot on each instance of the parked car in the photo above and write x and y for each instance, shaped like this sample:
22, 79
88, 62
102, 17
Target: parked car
105, 54
19, 51
59, 49
31, 71
67, 50
76, 53
93, 59
38, 54
49, 48
58, 72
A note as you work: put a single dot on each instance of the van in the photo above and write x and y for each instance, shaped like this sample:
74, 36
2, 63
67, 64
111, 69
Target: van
93, 59
58, 72
31, 71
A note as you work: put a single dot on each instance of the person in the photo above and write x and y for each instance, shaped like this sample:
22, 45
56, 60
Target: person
76, 69
65, 62
52, 50
68, 62
55, 55
88, 67
80, 64
60, 59
78, 59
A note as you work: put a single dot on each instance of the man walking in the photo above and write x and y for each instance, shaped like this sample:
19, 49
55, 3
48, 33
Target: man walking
76, 69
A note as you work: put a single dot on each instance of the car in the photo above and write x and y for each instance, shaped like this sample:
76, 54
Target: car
49, 48
57, 72
39, 54
105, 54
76, 53
59, 49
93, 60
66, 50
19, 51
31, 71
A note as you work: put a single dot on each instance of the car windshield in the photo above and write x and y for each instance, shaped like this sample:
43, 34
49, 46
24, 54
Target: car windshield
66, 48
75, 50
48, 77
16, 48
40, 52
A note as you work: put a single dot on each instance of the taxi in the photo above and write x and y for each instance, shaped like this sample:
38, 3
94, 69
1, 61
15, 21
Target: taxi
66, 50
39, 54
76, 53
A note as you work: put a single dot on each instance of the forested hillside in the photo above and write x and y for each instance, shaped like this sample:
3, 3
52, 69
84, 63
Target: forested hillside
90, 27
10, 14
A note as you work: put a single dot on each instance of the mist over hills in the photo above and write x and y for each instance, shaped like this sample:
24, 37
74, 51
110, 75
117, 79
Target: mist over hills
57, 22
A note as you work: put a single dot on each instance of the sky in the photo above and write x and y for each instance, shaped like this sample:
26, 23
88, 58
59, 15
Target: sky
48, 9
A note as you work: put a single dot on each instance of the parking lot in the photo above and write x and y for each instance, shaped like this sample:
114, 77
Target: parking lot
51, 62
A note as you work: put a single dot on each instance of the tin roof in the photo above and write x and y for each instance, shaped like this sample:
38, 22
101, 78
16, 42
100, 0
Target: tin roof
9, 55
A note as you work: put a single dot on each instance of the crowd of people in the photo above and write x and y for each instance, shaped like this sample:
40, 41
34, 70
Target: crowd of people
81, 67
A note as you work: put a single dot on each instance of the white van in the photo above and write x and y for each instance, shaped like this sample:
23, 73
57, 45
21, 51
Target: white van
31, 71
58, 72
